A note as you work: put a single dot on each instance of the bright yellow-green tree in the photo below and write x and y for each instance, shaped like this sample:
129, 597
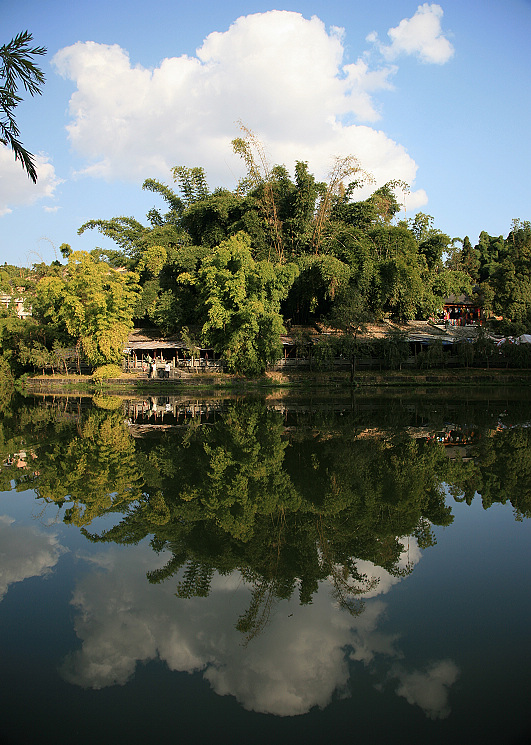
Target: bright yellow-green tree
93, 303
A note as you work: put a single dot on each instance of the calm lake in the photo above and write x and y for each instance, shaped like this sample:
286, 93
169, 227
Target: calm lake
318, 569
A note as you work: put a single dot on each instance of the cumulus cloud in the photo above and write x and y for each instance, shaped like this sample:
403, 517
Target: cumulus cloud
283, 75
16, 189
26, 552
420, 35
429, 689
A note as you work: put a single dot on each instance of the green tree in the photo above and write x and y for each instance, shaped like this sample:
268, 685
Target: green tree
421, 226
344, 168
259, 180
93, 303
396, 269
394, 349
432, 354
297, 217
192, 184
241, 299
22, 342
212, 219
398, 286
7, 382
465, 259
133, 238
438, 285
17, 67
319, 280
490, 250
295, 207
510, 276
484, 347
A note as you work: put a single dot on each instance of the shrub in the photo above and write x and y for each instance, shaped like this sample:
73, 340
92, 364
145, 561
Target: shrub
104, 372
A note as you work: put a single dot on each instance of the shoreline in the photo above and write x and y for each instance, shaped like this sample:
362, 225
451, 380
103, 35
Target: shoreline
293, 380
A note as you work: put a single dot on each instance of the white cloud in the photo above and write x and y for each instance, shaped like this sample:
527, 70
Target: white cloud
420, 35
26, 552
16, 189
429, 689
283, 75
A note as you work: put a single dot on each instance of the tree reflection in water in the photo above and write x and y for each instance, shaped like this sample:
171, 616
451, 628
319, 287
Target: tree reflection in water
286, 501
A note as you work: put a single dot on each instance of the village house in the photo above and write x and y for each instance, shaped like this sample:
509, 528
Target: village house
462, 310
146, 346
8, 300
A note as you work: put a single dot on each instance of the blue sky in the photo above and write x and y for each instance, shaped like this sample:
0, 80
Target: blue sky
435, 94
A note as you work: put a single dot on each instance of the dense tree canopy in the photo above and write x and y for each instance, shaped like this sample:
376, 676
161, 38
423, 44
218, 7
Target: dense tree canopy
236, 267
241, 298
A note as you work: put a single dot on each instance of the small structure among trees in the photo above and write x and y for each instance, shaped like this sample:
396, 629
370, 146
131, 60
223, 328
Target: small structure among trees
462, 310
144, 346
18, 303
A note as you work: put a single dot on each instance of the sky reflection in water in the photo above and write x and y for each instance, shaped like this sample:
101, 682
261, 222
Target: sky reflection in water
429, 636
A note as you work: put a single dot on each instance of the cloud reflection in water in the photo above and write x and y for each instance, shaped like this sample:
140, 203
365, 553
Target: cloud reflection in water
299, 662
26, 552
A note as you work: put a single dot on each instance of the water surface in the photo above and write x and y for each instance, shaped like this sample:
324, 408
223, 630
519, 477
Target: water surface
319, 569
